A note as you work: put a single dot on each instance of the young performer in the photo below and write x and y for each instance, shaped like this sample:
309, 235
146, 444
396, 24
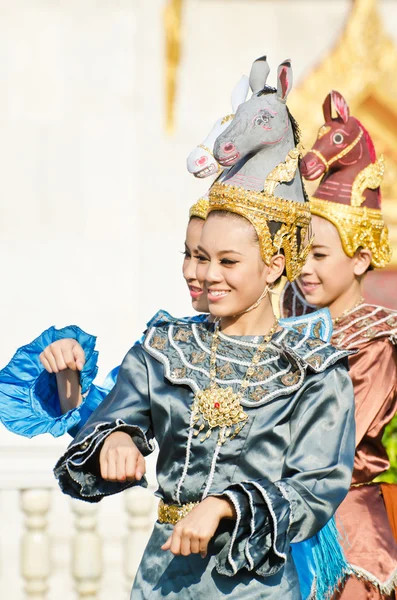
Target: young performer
254, 422
350, 238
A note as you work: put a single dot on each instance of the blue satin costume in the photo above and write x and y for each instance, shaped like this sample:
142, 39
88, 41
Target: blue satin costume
286, 472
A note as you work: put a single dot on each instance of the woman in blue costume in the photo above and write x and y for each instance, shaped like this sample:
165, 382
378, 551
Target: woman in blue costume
254, 421
38, 409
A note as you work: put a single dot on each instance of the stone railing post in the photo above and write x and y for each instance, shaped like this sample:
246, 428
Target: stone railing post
139, 503
87, 561
35, 543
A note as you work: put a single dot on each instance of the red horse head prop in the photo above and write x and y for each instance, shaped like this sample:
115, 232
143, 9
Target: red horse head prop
342, 151
348, 195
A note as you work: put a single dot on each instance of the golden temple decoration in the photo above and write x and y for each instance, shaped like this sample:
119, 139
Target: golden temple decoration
173, 34
362, 66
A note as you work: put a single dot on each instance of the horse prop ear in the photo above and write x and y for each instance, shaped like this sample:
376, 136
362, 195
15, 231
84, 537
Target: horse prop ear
284, 80
327, 109
240, 92
340, 105
259, 74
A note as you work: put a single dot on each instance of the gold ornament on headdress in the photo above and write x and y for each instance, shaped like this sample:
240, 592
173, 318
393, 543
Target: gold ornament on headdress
199, 209
370, 177
359, 226
261, 207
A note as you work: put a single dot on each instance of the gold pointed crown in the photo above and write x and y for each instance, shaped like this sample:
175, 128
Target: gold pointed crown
358, 227
262, 207
199, 209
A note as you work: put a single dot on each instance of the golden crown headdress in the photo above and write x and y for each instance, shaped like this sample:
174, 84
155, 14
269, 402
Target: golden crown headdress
358, 227
199, 209
262, 207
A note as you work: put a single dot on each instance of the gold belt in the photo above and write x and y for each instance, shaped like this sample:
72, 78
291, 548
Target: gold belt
172, 513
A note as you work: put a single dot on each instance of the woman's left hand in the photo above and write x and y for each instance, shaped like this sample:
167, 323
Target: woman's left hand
192, 534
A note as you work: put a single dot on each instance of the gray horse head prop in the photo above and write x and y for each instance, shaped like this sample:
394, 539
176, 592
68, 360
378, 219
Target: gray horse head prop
261, 135
262, 182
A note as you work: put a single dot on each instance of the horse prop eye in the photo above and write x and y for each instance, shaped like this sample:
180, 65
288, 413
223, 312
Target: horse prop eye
262, 119
338, 138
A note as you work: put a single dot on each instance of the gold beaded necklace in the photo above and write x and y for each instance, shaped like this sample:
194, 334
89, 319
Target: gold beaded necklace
220, 406
348, 310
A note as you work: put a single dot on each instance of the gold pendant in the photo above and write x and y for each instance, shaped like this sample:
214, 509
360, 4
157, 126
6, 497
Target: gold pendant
218, 407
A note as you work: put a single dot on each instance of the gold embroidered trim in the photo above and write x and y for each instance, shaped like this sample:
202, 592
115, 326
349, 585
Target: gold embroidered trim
158, 342
183, 335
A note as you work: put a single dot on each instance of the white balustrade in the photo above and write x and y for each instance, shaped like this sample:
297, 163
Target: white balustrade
87, 563
139, 504
35, 543
59, 542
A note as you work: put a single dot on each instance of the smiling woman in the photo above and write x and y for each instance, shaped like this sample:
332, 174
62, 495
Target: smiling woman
229, 258
220, 396
330, 278
251, 456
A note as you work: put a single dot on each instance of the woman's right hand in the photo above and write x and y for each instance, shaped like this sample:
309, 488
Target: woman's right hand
120, 459
63, 354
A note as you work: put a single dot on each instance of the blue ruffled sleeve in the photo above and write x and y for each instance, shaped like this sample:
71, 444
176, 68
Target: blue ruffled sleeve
29, 402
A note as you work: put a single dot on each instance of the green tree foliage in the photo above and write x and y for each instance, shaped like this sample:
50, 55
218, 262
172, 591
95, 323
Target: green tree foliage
390, 442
